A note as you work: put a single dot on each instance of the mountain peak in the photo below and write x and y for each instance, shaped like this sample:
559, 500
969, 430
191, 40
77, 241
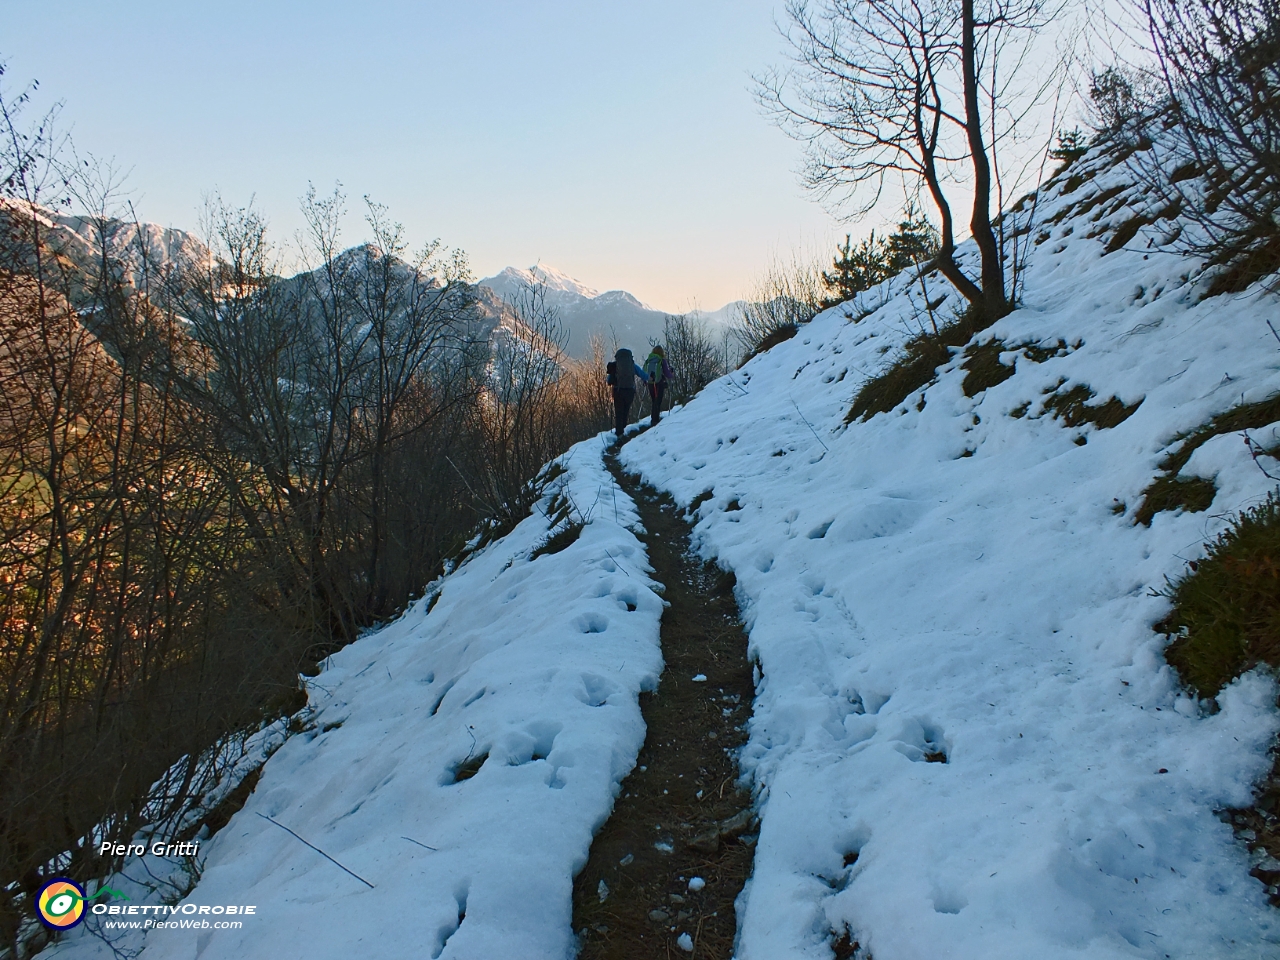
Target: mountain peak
511, 279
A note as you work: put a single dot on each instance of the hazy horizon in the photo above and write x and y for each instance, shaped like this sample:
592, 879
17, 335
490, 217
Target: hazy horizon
620, 145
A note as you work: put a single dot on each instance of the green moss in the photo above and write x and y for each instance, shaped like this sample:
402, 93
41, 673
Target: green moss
1226, 614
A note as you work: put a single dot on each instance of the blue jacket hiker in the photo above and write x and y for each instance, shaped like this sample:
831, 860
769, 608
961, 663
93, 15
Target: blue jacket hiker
621, 373
658, 372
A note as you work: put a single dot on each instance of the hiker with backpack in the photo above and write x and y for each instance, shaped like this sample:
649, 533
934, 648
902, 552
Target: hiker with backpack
658, 371
621, 373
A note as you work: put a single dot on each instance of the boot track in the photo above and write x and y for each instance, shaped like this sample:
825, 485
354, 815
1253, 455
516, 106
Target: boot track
665, 869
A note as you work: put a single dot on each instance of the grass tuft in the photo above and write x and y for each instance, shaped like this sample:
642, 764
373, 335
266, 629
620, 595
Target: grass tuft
1226, 614
1074, 410
1242, 268
780, 334
561, 540
983, 368
1246, 416
468, 768
1192, 494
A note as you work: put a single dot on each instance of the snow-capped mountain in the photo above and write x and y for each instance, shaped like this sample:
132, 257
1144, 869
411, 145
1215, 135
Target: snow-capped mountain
512, 280
724, 317
616, 316
80, 239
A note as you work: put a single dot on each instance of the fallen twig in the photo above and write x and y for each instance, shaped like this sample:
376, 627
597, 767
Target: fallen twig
808, 424
423, 845
317, 850
1254, 450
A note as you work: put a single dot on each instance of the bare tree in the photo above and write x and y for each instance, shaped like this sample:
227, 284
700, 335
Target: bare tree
1220, 63
321, 382
911, 91
211, 474
695, 357
119, 557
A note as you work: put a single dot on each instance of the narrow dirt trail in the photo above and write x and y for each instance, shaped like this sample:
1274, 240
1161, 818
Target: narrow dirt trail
680, 815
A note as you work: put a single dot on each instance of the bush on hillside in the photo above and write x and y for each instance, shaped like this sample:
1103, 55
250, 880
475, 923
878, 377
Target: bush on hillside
1226, 613
786, 297
1220, 60
694, 356
876, 259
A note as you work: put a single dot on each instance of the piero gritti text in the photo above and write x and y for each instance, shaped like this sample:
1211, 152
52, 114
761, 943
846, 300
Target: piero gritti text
183, 848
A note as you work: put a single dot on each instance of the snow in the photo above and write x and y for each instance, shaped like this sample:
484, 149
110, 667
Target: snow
950, 579
960, 580
513, 279
539, 664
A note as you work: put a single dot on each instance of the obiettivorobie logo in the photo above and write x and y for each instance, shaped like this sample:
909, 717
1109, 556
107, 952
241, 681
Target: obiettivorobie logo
60, 902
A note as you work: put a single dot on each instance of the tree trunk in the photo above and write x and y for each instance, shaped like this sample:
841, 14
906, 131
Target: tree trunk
945, 260
994, 302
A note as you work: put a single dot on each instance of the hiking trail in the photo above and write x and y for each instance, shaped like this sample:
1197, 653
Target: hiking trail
681, 816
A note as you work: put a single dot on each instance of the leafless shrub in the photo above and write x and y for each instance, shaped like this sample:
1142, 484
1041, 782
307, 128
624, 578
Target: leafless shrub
914, 93
211, 476
1120, 96
1220, 64
786, 296
695, 357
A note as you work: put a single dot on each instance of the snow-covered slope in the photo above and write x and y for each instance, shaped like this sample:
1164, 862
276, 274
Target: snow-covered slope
534, 664
963, 576
960, 579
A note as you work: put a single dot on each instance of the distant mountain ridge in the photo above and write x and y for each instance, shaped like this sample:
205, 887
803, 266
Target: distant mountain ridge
619, 318
615, 315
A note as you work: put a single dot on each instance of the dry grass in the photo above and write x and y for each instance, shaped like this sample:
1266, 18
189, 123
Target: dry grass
1169, 491
1226, 614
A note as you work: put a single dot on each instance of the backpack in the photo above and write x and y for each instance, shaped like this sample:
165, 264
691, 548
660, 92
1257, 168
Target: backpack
624, 370
653, 368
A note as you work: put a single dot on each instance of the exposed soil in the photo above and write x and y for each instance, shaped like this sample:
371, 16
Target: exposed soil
680, 815
1259, 827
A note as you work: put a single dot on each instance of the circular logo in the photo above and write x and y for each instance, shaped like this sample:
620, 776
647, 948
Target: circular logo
60, 903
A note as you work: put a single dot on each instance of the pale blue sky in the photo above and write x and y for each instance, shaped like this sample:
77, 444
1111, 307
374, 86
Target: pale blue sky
615, 141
